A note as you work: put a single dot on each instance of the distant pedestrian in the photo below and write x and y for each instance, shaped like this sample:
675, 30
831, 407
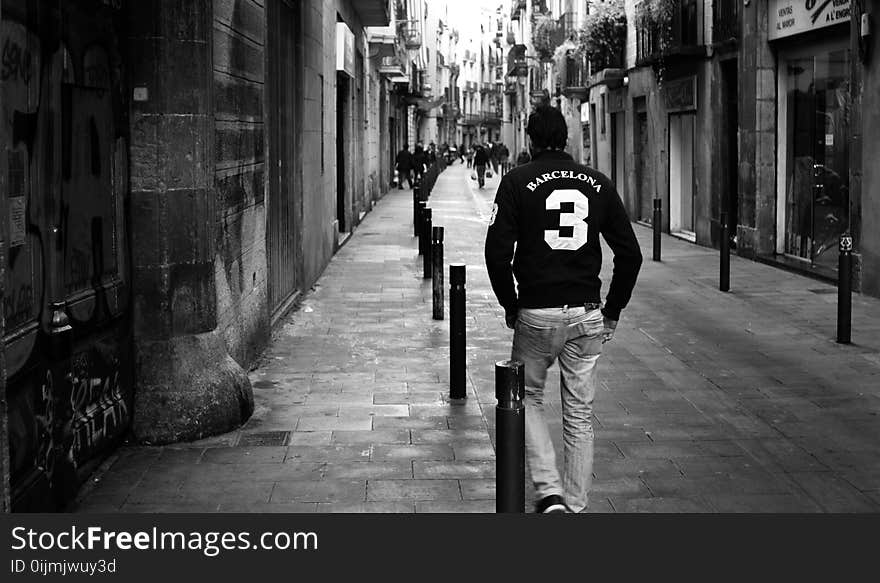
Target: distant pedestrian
470, 156
420, 162
547, 219
493, 156
481, 160
404, 164
503, 158
523, 158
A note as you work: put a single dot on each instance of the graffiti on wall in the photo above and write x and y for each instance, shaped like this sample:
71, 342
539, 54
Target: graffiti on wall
65, 163
97, 404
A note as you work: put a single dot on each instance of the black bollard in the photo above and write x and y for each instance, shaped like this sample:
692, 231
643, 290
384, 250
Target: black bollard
658, 217
724, 284
510, 431
844, 290
457, 333
427, 234
437, 266
420, 229
416, 199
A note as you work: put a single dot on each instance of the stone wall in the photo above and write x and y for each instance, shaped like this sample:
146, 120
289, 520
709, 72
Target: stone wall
187, 384
239, 181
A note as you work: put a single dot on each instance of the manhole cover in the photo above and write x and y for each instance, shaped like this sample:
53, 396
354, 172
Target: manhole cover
824, 290
265, 438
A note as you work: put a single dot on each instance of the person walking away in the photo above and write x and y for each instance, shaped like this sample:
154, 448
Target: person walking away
404, 164
481, 159
493, 156
503, 158
461, 153
420, 161
546, 220
470, 156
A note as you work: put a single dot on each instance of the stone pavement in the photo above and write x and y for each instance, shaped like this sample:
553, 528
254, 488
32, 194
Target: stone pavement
709, 401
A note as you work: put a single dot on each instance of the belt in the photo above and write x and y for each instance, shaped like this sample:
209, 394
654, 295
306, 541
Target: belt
587, 305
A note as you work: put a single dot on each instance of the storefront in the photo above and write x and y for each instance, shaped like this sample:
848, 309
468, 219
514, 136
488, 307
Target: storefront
814, 102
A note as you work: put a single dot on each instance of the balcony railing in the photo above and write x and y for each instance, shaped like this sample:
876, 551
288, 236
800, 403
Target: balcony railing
577, 75
568, 25
491, 116
680, 39
516, 9
725, 20
510, 88
537, 81
471, 119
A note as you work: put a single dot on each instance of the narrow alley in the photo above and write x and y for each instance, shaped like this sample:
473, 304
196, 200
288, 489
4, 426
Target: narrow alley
709, 401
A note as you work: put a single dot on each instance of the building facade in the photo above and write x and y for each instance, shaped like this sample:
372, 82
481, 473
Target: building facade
759, 111
175, 174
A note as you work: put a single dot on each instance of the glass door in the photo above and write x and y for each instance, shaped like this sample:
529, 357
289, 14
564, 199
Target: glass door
817, 155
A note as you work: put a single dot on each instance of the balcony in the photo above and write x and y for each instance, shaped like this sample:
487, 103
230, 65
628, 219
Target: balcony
537, 81
392, 68
470, 86
725, 21
577, 76
568, 26
450, 111
491, 117
382, 40
516, 62
471, 119
373, 12
411, 33
517, 9
680, 41
511, 88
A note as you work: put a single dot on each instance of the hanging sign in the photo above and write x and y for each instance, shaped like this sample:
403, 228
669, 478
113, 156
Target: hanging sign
344, 49
790, 17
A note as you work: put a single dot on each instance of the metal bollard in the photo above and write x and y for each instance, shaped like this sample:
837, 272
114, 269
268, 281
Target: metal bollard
457, 332
427, 234
437, 266
510, 431
658, 217
416, 199
419, 230
724, 284
844, 290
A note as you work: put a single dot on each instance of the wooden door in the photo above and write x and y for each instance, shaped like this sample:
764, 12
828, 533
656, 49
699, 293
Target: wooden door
284, 161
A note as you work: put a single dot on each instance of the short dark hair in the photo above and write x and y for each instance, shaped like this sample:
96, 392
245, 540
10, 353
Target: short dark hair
547, 128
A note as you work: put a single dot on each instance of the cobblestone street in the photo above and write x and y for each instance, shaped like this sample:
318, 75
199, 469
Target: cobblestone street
709, 401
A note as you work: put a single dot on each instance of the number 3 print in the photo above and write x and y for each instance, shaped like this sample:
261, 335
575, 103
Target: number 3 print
568, 218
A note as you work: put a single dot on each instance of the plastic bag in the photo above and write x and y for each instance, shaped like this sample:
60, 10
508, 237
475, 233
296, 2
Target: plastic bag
473, 175
488, 174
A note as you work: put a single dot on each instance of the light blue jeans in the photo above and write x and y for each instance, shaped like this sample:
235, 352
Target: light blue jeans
571, 334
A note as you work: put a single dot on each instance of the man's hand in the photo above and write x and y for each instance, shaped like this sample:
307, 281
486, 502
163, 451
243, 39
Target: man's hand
608, 328
510, 318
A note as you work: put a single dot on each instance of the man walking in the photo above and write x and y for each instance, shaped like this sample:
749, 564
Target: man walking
404, 164
481, 159
419, 162
503, 157
552, 211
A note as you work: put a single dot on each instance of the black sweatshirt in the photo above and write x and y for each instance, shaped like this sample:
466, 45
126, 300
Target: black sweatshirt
553, 209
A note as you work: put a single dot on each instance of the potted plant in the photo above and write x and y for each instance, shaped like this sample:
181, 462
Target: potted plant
603, 38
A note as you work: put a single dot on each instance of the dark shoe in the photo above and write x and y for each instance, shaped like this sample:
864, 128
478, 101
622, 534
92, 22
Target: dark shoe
552, 504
